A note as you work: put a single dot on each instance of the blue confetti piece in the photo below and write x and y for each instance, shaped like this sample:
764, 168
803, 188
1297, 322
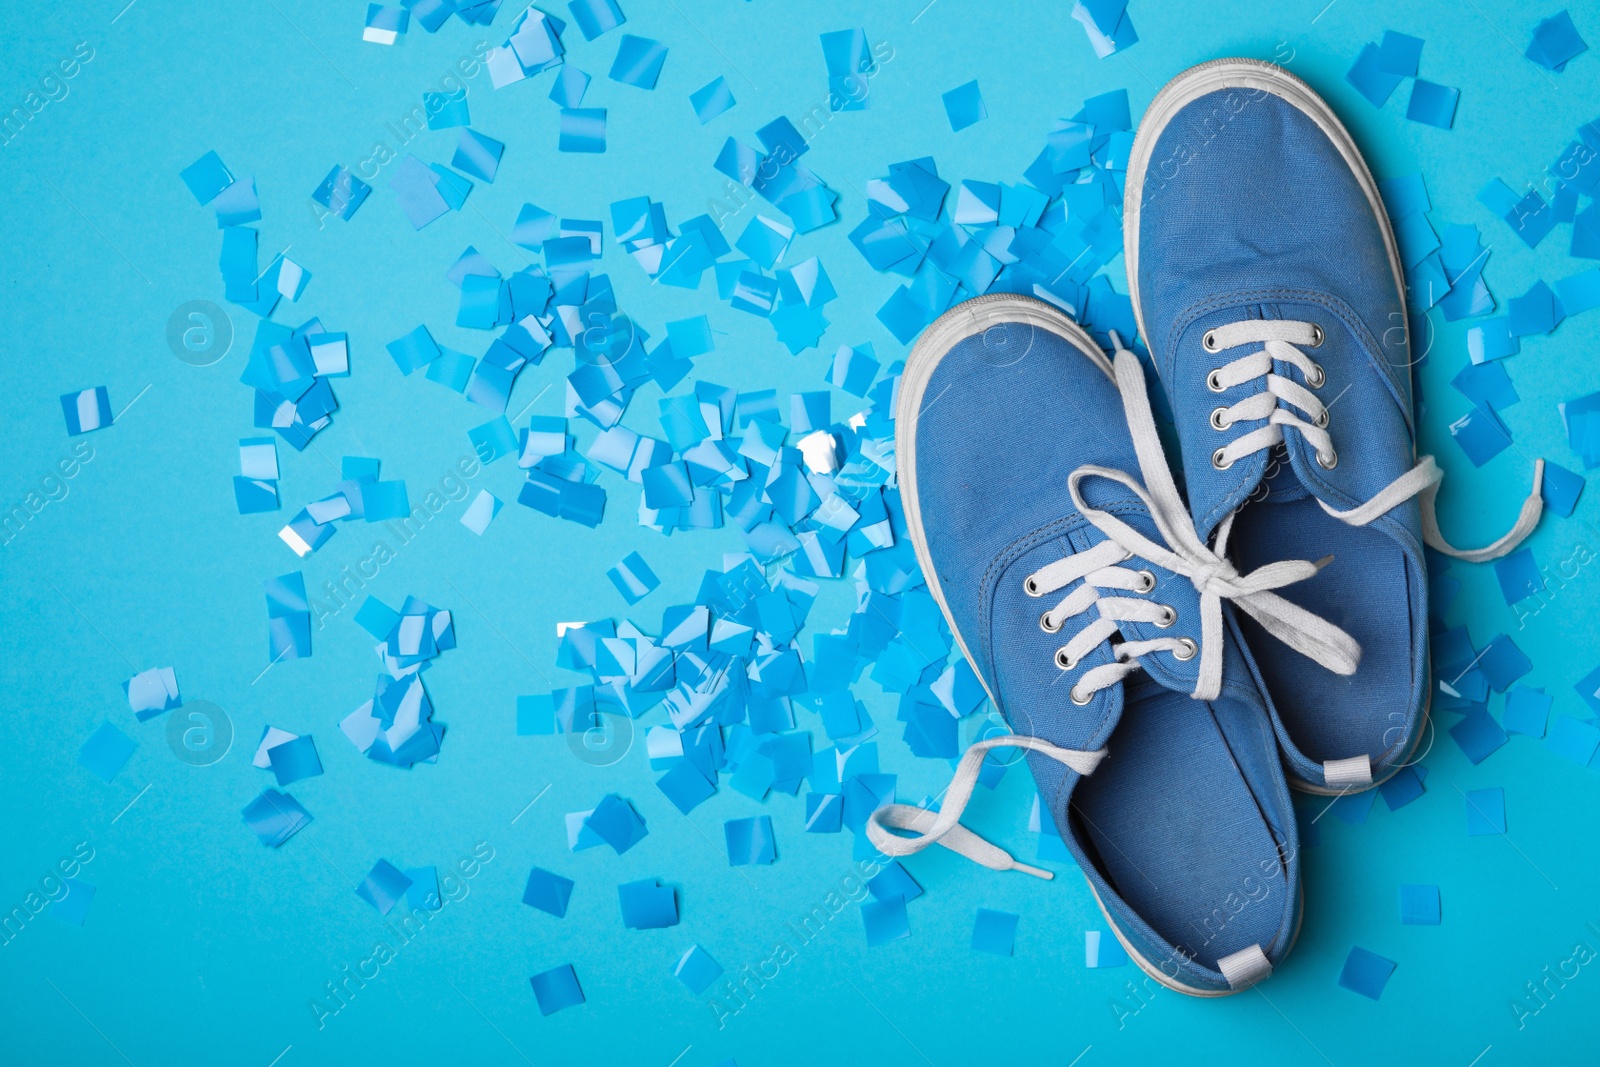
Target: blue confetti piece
1519, 575
1486, 812
385, 24
615, 822
1478, 735
765, 241
569, 87
1405, 196
254, 496
424, 892
711, 100
548, 891
1419, 905
1491, 339
750, 841
417, 189
275, 817
849, 63
1352, 809
885, 920
106, 752
238, 205
1107, 24
558, 987
823, 813
1560, 489
383, 886
1488, 387
686, 786
964, 106
1555, 42
639, 61
1480, 437
1366, 973
1432, 104
1399, 54
73, 908
484, 507
1502, 663
1101, 950
341, 192
648, 905
893, 882
595, 17
294, 760
152, 692
1527, 711
583, 129
206, 177
1534, 312
633, 578
697, 969
1369, 78
1574, 739
1403, 787
87, 410
994, 931
493, 440
478, 155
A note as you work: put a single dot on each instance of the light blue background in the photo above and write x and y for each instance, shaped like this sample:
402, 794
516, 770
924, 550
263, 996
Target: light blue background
203, 947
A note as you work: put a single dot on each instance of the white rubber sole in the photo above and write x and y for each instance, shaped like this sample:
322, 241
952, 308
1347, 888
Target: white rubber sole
966, 319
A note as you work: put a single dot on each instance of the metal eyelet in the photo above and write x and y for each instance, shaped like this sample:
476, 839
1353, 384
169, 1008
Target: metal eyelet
1318, 377
1147, 582
1031, 587
1216, 460
1321, 420
1187, 652
1209, 341
1167, 619
1214, 381
1064, 661
1331, 462
1073, 693
1216, 420
1316, 336
1044, 624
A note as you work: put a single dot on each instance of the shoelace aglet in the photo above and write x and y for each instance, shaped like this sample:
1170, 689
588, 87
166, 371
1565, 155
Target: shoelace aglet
1323, 562
1037, 872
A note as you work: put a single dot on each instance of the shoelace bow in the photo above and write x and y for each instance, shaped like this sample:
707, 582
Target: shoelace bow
1185, 553
1280, 341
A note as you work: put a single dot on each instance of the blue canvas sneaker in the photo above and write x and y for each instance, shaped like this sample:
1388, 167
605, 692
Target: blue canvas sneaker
1061, 576
1266, 281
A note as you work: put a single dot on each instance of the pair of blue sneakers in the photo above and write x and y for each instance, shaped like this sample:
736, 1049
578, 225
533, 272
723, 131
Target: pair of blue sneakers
1135, 640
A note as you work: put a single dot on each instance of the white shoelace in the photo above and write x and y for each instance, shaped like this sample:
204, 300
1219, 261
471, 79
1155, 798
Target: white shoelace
1098, 569
1280, 341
